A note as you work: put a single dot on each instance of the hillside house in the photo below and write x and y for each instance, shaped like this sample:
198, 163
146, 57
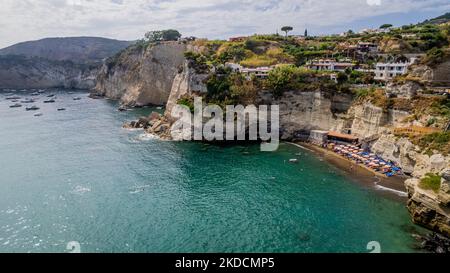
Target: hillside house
388, 71
329, 65
365, 47
258, 72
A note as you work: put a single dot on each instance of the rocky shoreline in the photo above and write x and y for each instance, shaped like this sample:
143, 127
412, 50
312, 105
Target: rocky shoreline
300, 112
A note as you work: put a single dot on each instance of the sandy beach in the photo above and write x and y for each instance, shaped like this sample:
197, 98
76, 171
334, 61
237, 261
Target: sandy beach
392, 187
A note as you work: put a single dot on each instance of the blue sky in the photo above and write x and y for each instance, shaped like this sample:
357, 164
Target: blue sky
23, 20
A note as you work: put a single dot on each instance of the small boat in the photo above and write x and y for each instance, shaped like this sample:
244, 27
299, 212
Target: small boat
17, 105
293, 160
50, 96
28, 101
15, 101
32, 108
61, 109
38, 115
41, 91
122, 109
159, 108
49, 101
35, 94
77, 98
13, 98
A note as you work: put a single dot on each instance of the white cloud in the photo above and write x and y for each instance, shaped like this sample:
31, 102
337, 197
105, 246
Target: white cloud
374, 2
22, 20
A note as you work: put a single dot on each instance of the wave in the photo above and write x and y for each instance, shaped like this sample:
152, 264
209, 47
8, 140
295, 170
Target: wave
383, 188
300, 146
147, 137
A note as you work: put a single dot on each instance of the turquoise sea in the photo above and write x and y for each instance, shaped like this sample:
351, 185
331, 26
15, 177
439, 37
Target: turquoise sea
76, 175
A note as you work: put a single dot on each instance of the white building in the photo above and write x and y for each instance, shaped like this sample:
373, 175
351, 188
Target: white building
329, 65
318, 137
388, 71
258, 72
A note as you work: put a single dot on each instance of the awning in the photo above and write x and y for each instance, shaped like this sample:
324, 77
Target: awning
342, 136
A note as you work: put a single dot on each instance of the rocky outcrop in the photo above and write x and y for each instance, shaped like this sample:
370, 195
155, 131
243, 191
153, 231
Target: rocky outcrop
142, 75
428, 208
185, 83
407, 90
409, 156
436, 73
310, 110
401, 151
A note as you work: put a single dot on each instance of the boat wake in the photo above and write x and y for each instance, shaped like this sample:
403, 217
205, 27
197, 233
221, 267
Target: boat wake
139, 189
80, 190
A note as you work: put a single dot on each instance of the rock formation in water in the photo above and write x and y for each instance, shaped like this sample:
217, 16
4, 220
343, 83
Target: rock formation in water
428, 208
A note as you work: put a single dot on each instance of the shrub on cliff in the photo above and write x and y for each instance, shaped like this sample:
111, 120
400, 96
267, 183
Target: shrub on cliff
197, 61
187, 101
287, 77
233, 52
434, 56
431, 182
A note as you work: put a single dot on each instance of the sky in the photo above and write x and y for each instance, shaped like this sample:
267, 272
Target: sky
24, 20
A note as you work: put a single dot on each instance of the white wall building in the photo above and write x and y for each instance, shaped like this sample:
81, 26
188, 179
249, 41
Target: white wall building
258, 72
388, 71
329, 65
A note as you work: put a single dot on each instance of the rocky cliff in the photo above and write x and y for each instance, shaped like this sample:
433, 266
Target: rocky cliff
20, 72
428, 208
56, 62
142, 75
302, 111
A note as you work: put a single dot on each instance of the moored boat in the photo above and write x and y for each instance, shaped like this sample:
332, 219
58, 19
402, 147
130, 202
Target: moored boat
32, 108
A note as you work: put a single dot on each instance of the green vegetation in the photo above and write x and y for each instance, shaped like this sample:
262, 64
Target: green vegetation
162, 35
197, 61
189, 102
436, 141
363, 93
385, 26
431, 182
434, 56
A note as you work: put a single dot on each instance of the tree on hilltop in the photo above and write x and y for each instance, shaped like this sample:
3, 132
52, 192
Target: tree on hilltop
287, 29
385, 26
